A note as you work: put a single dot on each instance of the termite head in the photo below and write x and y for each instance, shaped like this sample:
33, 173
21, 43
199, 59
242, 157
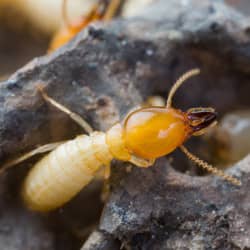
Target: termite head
200, 120
153, 132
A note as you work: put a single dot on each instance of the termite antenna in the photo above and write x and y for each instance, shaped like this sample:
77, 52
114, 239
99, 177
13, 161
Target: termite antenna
75, 117
209, 167
40, 150
179, 82
65, 16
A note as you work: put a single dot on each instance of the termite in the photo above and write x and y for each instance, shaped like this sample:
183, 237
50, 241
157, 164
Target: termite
143, 136
103, 10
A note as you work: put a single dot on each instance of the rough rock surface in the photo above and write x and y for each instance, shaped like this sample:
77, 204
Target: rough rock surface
103, 73
170, 210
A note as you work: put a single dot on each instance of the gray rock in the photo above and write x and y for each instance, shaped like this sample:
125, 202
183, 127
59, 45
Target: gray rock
160, 208
103, 73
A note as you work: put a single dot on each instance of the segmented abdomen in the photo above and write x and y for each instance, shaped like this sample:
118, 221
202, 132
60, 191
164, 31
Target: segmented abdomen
60, 175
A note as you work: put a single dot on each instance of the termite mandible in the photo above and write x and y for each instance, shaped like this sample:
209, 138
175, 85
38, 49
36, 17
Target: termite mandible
103, 10
143, 136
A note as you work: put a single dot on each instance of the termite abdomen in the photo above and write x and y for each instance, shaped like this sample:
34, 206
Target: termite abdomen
60, 175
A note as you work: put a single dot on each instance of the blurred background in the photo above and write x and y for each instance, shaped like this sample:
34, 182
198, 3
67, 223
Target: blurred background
26, 26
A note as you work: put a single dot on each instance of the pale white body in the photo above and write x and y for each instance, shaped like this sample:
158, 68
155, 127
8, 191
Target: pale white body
65, 171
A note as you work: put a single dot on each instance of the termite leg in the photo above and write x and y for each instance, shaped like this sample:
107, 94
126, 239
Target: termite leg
155, 100
112, 9
140, 162
105, 190
103, 10
75, 117
42, 149
106, 184
209, 167
93, 14
65, 16
107, 171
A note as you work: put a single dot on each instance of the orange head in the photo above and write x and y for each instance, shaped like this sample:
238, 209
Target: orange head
153, 132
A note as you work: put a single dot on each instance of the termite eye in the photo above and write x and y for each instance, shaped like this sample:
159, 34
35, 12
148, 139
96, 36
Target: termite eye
200, 119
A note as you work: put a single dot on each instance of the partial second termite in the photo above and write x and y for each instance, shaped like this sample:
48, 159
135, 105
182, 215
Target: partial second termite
103, 10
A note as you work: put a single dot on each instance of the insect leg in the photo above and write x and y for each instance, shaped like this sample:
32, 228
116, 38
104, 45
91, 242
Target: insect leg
75, 117
107, 171
209, 167
92, 15
65, 16
106, 184
155, 100
42, 149
112, 9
